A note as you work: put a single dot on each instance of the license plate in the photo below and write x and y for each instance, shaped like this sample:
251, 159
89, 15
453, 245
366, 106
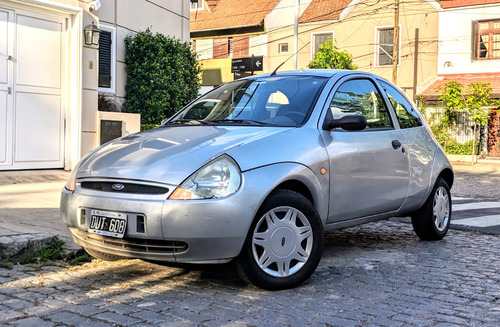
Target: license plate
108, 223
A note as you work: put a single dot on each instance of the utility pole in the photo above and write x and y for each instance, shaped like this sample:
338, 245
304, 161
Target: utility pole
296, 34
415, 66
395, 47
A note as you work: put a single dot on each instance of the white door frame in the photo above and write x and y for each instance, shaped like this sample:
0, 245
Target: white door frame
72, 66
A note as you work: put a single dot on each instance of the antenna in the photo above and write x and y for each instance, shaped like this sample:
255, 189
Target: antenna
274, 72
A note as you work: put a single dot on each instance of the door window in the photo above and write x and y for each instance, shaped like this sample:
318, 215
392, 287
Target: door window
361, 97
407, 116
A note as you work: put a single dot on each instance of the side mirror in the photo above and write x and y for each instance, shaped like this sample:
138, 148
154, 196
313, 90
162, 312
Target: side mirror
348, 123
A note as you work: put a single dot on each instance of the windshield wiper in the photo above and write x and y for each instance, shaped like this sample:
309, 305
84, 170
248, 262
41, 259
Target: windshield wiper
240, 121
185, 121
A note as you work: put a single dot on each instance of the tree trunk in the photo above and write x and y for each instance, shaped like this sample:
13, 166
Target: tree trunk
474, 145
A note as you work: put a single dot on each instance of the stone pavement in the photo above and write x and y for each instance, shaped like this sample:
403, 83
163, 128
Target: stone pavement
30, 204
378, 274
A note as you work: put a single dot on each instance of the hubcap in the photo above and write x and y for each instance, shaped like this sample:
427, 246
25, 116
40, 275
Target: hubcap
282, 241
441, 209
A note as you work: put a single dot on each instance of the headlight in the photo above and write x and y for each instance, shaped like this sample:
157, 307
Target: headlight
218, 179
71, 183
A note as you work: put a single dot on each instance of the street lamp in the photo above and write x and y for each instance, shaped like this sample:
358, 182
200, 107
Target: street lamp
92, 34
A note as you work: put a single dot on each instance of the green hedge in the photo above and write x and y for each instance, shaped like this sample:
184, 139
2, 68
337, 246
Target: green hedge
162, 76
453, 147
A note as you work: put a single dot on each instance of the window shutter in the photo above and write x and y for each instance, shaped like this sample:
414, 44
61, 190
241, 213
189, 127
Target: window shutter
105, 59
474, 40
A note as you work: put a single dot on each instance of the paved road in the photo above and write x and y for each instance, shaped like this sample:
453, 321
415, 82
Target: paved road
378, 274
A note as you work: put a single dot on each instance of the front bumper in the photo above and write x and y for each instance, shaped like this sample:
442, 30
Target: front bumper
195, 231
192, 231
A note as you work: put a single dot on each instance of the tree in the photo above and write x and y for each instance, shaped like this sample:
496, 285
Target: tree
330, 57
479, 97
475, 102
162, 76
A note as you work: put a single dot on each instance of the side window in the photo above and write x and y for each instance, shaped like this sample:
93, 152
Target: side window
361, 97
407, 116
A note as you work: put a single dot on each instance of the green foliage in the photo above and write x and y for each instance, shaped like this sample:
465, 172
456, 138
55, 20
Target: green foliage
162, 76
51, 254
479, 97
451, 95
145, 127
453, 147
330, 57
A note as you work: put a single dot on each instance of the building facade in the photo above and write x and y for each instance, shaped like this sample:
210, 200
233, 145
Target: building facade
50, 80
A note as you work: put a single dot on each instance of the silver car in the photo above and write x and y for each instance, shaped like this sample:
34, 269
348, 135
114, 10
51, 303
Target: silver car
257, 170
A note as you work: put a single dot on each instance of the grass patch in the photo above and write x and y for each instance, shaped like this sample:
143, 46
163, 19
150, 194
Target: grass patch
51, 254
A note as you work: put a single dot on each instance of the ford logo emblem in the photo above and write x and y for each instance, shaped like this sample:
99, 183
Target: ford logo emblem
117, 187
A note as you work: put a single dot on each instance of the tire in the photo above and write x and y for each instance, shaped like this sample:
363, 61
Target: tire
284, 244
432, 221
103, 256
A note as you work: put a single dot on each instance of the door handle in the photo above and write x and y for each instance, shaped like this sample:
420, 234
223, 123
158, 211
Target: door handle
396, 144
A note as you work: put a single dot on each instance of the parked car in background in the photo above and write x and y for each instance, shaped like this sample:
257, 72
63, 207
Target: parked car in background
257, 170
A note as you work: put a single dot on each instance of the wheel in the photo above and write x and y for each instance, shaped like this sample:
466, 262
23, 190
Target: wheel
432, 220
284, 243
103, 256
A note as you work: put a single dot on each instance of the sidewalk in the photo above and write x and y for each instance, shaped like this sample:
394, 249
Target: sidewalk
29, 202
29, 215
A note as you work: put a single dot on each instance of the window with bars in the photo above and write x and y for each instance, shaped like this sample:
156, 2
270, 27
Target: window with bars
486, 39
319, 39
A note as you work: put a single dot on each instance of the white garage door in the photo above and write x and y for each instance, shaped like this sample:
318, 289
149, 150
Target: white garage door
32, 87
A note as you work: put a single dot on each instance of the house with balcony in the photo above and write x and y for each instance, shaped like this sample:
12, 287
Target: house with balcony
51, 76
469, 52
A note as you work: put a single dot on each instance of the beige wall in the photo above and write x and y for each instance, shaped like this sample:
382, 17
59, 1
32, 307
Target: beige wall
356, 33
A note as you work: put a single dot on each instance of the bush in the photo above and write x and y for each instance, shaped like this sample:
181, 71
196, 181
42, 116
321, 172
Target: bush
453, 147
162, 76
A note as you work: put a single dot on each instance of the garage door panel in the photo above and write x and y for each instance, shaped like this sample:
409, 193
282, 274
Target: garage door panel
43, 37
3, 127
38, 135
4, 47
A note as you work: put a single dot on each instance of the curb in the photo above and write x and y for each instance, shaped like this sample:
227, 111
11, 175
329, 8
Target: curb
12, 246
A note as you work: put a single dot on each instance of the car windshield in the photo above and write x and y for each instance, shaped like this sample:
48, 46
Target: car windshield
273, 100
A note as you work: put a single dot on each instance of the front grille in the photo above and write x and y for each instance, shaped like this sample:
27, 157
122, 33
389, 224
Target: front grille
133, 244
127, 188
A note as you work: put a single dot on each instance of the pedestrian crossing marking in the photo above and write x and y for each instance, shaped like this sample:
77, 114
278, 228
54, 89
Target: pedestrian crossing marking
458, 198
475, 205
484, 221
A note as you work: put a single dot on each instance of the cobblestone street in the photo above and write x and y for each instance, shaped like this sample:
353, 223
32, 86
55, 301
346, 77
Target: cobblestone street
378, 274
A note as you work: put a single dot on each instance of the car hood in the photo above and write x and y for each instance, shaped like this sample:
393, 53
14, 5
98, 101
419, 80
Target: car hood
168, 154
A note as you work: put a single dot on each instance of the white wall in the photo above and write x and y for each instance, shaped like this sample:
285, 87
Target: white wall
455, 45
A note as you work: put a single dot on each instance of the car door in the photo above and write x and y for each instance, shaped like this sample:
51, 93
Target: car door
418, 142
369, 169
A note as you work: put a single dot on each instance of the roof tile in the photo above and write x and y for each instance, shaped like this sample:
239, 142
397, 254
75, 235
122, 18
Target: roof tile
323, 10
447, 4
465, 79
232, 14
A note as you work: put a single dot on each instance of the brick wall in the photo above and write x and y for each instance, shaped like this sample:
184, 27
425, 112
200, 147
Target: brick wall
494, 134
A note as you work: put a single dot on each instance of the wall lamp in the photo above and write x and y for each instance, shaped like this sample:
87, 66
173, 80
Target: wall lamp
92, 34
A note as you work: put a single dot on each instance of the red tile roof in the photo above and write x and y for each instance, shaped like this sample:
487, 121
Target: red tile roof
446, 4
323, 10
433, 92
232, 14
